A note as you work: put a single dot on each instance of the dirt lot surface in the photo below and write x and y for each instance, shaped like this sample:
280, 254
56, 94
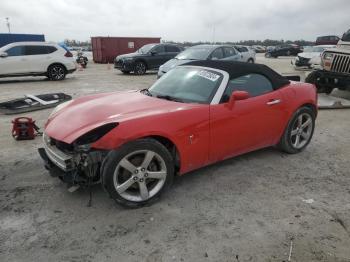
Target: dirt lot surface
250, 208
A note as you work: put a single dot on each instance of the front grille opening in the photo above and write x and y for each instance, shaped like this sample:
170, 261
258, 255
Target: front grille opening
68, 148
341, 63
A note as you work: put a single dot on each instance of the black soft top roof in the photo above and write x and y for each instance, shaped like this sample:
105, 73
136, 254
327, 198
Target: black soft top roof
236, 69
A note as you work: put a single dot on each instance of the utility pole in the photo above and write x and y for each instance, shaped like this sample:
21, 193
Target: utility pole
214, 34
8, 25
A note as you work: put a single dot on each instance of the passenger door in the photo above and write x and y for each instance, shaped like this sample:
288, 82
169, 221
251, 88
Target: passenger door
15, 62
157, 57
250, 124
171, 51
231, 54
38, 57
217, 54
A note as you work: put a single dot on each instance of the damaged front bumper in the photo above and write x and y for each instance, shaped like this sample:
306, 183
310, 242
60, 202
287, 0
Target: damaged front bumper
301, 62
76, 168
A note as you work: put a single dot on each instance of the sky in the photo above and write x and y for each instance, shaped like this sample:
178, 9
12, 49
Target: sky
177, 20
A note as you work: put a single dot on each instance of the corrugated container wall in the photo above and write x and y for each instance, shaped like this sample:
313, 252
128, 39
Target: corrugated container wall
105, 49
11, 38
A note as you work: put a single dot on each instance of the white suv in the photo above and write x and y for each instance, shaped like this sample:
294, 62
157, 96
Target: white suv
36, 59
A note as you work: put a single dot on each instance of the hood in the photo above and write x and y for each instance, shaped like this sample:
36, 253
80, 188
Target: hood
173, 63
86, 113
309, 54
129, 55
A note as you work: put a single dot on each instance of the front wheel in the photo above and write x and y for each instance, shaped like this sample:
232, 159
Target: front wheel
251, 60
140, 68
299, 131
56, 72
138, 172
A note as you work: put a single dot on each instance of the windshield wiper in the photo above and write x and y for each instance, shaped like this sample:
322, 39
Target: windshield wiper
170, 98
146, 92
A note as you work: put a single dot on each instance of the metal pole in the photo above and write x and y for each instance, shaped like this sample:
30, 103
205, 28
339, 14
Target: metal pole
8, 25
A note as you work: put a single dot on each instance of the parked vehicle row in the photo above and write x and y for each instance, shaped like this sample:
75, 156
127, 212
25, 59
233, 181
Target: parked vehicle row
167, 56
36, 59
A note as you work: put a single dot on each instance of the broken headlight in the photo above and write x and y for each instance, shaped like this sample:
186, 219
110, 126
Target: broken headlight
83, 143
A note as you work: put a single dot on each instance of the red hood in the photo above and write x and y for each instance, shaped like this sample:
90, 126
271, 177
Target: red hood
89, 112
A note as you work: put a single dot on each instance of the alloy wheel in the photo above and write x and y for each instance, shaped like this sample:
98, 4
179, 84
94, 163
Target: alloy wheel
140, 175
301, 131
140, 68
57, 72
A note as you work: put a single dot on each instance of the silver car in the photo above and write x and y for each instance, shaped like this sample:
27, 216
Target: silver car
202, 52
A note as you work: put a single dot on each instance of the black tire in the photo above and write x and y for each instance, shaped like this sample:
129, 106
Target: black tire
251, 60
140, 68
112, 166
286, 142
313, 78
56, 72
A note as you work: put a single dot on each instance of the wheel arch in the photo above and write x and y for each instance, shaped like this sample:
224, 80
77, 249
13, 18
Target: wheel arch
163, 139
143, 61
311, 106
170, 146
57, 63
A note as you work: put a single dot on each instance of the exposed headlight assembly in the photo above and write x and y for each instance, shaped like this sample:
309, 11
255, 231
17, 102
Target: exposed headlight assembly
83, 142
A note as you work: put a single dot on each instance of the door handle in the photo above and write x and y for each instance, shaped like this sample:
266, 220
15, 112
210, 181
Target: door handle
273, 102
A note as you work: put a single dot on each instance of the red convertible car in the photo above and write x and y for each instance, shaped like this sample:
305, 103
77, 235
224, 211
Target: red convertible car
199, 113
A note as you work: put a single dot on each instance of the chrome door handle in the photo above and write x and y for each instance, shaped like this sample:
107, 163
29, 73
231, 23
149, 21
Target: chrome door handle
274, 102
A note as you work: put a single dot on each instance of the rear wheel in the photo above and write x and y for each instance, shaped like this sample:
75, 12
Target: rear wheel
137, 173
56, 72
299, 131
140, 68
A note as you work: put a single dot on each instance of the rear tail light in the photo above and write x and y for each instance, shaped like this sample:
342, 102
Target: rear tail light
68, 54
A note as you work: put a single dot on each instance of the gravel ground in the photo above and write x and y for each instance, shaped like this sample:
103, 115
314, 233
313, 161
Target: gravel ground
250, 208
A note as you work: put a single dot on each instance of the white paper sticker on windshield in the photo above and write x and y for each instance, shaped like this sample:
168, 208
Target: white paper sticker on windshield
208, 75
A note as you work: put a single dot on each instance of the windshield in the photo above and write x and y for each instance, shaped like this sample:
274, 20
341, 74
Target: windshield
187, 84
346, 36
146, 48
195, 53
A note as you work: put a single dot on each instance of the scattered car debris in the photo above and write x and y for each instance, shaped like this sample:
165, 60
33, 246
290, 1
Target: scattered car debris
308, 201
32, 103
290, 251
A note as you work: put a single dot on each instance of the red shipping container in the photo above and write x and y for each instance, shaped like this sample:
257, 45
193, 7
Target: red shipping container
105, 48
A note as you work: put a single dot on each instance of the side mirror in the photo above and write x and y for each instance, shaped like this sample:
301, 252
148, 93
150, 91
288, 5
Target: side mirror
153, 52
236, 96
3, 54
